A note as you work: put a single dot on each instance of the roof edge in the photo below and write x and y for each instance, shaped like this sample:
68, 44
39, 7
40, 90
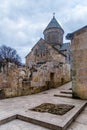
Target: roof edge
70, 36
53, 24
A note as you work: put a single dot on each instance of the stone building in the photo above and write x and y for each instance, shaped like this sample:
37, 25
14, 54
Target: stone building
51, 47
50, 58
47, 66
79, 62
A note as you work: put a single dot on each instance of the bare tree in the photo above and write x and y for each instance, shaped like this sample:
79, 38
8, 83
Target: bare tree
8, 54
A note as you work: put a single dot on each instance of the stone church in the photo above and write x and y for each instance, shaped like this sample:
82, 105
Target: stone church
47, 66
51, 48
48, 60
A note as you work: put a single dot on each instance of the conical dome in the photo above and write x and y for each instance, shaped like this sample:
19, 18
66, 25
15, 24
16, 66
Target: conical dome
53, 24
53, 33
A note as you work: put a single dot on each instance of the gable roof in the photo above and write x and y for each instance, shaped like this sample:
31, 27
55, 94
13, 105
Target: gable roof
54, 48
64, 46
70, 36
42, 47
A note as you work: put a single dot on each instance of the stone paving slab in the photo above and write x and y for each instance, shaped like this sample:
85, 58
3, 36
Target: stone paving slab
21, 106
82, 119
63, 95
77, 126
20, 125
66, 91
55, 121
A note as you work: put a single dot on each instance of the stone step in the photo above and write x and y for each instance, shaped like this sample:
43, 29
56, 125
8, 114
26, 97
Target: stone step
63, 95
66, 91
7, 119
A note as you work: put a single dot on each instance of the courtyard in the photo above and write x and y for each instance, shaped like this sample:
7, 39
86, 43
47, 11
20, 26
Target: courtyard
16, 113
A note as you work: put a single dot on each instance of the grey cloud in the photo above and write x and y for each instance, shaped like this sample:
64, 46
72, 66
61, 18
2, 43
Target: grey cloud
22, 21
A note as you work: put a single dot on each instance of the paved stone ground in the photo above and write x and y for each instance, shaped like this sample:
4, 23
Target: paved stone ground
20, 125
21, 106
80, 122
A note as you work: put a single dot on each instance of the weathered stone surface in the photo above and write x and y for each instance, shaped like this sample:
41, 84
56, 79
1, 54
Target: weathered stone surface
43, 52
51, 74
46, 66
79, 64
21, 125
17, 81
21, 106
11, 81
77, 126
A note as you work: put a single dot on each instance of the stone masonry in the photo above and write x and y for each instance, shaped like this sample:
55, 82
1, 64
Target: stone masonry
79, 62
11, 78
46, 66
19, 81
48, 58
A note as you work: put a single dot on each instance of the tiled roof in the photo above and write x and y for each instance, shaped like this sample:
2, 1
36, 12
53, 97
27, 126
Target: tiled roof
53, 24
69, 36
64, 46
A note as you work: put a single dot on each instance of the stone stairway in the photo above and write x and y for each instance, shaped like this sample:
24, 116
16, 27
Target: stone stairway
64, 93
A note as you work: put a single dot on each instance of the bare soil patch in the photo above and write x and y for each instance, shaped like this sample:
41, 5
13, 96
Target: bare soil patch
58, 109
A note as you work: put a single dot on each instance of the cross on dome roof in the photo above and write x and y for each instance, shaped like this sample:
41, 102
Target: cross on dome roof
54, 14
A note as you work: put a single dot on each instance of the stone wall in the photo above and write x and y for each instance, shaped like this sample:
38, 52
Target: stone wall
52, 74
79, 64
19, 81
11, 78
54, 36
43, 52
48, 75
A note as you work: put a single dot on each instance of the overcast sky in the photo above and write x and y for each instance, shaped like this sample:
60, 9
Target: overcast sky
22, 21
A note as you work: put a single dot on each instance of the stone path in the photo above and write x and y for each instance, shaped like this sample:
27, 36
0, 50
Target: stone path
44, 121
80, 122
20, 125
